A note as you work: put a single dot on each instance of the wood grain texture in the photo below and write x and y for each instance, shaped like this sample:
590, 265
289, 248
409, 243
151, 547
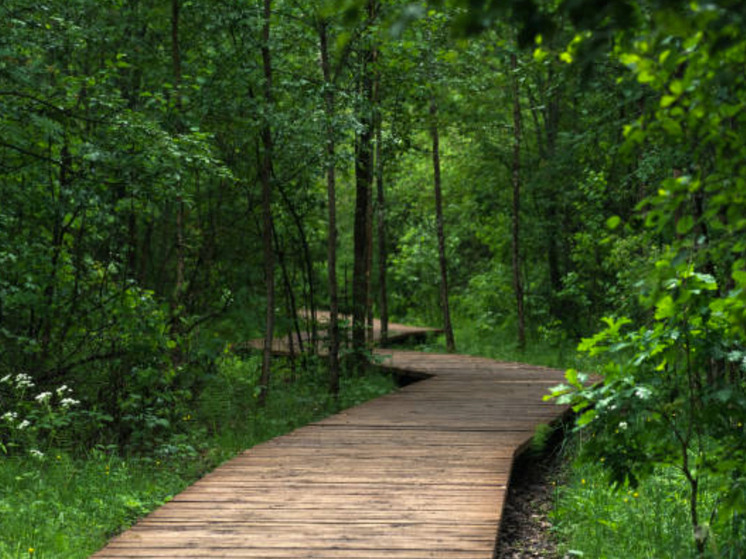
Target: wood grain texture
420, 473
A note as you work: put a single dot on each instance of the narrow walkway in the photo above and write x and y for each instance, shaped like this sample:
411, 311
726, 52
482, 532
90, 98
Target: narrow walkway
420, 473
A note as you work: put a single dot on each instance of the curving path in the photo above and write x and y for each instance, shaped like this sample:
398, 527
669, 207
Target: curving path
419, 473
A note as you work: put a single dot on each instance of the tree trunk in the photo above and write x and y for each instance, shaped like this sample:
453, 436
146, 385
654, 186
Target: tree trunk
450, 342
308, 264
515, 248
176, 68
179, 287
332, 203
363, 179
382, 252
292, 307
374, 109
266, 180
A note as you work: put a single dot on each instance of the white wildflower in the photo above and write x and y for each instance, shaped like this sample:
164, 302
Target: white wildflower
62, 389
5, 379
43, 398
23, 381
67, 402
23, 424
10, 416
36, 453
623, 425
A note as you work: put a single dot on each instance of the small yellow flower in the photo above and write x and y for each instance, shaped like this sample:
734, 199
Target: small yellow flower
30, 550
626, 500
740, 424
582, 481
603, 459
635, 494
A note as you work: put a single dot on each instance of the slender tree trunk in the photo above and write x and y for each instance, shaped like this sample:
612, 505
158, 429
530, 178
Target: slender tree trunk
332, 203
363, 179
292, 306
266, 180
179, 286
308, 264
176, 68
447, 326
515, 248
360, 265
374, 120
382, 253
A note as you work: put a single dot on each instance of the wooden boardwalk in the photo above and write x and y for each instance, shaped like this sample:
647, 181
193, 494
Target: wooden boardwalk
420, 473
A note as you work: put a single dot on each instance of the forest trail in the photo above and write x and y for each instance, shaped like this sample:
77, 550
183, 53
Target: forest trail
419, 473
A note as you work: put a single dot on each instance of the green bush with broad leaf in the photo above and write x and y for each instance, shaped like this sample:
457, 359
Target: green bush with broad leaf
672, 387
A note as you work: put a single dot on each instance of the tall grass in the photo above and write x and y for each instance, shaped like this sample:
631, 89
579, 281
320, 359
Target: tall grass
595, 520
546, 348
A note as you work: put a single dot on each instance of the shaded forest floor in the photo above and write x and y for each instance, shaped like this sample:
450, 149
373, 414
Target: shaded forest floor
526, 530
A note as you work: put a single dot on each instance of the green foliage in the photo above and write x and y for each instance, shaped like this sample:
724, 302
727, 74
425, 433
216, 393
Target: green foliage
673, 380
592, 519
54, 505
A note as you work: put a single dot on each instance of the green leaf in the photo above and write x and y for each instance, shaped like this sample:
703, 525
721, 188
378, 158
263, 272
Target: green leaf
684, 224
572, 377
629, 59
613, 222
586, 418
739, 276
676, 87
667, 101
672, 127
665, 308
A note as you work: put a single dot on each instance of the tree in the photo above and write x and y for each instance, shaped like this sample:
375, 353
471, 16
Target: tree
516, 208
447, 326
266, 180
363, 190
673, 392
323, 25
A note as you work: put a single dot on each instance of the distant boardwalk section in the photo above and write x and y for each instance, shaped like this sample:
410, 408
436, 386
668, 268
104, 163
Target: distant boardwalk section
421, 473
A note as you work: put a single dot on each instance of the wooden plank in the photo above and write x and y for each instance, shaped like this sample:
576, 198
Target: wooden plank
416, 474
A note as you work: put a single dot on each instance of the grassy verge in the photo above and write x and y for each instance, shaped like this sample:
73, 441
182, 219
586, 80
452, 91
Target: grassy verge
594, 520
545, 350
56, 504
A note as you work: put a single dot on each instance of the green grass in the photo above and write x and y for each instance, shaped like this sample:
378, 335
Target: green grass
58, 506
64, 506
593, 520
546, 350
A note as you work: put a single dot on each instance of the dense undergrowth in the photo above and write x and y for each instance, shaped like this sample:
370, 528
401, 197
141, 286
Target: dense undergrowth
593, 518
65, 503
